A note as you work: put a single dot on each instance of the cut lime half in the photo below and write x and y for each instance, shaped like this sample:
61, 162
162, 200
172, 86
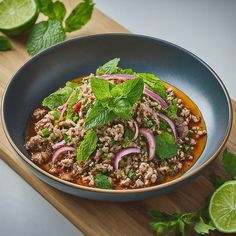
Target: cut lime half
222, 208
17, 16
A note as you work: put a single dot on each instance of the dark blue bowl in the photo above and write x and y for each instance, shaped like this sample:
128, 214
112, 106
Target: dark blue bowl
50, 69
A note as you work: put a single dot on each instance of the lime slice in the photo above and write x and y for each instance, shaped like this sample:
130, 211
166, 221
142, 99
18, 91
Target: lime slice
17, 16
222, 208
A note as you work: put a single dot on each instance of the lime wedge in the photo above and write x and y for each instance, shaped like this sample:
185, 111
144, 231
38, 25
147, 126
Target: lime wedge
17, 16
222, 208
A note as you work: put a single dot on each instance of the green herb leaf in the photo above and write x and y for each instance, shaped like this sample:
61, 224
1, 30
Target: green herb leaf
229, 163
108, 68
67, 139
130, 89
44, 132
56, 114
98, 116
101, 89
123, 109
202, 228
4, 43
166, 145
54, 10
57, 98
102, 181
80, 15
87, 146
72, 84
44, 35
171, 111
154, 83
217, 180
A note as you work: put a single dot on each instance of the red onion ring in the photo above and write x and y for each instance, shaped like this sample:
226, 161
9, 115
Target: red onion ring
170, 123
148, 134
59, 145
64, 107
60, 151
124, 152
156, 97
136, 130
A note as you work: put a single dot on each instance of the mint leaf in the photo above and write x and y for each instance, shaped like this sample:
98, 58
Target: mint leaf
54, 10
166, 145
123, 109
44, 35
72, 84
80, 15
229, 163
131, 90
87, 146
108, 68
202, 228
102, 181
101, 89
4, 43
98, 116
154, 83
57, 98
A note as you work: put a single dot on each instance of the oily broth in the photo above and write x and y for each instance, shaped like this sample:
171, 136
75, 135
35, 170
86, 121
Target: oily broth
199, 147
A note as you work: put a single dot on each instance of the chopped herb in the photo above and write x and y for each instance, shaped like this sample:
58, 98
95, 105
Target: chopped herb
105, 157
166, 145
164, 125
67, 139
122, 163
102, 181
56, 114
44, 132
171, 111
131, 174
87, 146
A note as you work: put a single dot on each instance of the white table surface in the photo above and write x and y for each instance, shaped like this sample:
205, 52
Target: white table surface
205, 27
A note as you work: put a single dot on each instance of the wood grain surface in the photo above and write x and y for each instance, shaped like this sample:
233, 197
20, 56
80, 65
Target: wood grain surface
92, 217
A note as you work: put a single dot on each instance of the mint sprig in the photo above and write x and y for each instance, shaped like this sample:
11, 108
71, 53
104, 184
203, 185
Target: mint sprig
52, 31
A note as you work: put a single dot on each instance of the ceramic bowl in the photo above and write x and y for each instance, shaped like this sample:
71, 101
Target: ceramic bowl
50, 69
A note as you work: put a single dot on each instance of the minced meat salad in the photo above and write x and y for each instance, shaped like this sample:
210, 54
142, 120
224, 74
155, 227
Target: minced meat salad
116, 129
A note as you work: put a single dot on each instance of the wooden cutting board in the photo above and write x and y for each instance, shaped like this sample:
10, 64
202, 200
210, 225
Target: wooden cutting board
93, 217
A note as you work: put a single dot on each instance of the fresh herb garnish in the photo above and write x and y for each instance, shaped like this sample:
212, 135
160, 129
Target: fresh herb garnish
172, 109
87, 146
69, 112
47, 33
166, 145
53, 10
131, 174
109, 68
102, 181
67, 138
154, 83
44, 132
56, 114
57, 98
79, 16
115, 101
5, 44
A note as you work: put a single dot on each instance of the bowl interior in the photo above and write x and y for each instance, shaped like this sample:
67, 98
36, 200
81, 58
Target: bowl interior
50, 69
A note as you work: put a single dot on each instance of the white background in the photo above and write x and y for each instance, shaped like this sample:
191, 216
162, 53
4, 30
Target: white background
205, 27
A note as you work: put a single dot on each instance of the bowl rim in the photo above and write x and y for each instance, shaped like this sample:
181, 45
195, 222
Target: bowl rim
125, 191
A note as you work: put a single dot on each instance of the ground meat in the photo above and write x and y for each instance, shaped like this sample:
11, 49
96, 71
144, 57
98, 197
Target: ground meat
36, 143
39, 113
45, 122
41, 157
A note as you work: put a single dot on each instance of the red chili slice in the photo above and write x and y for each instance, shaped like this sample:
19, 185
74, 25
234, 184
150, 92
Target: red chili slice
77, 107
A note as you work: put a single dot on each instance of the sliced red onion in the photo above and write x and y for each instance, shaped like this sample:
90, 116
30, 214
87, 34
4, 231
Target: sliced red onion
136, 130
170, 123
64, 107
156, 97
60, 151
114, 76
58, 145
148, 134
124, 152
